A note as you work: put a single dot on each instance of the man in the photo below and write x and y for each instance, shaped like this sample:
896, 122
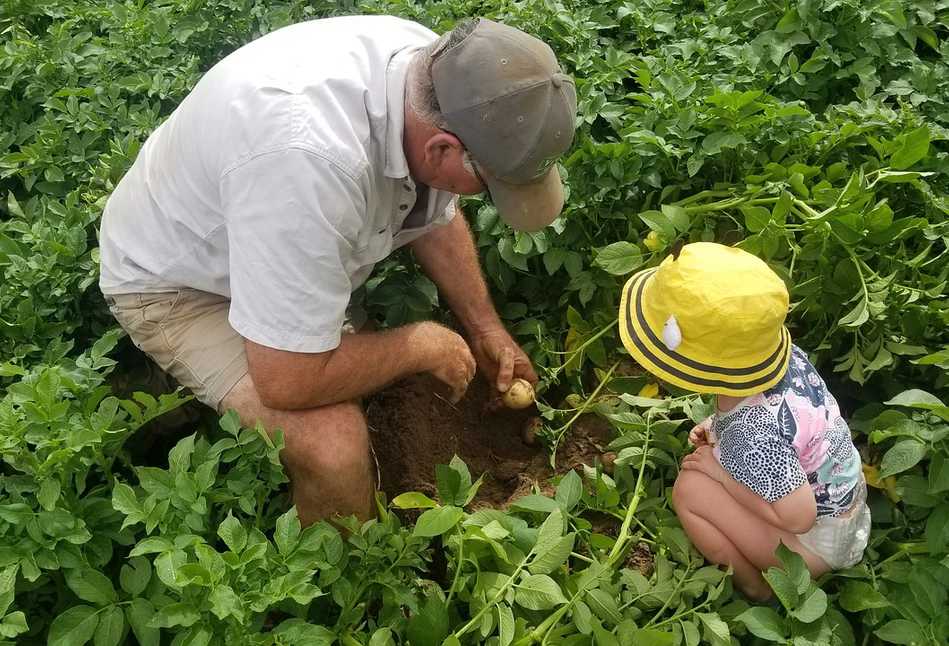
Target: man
231, 249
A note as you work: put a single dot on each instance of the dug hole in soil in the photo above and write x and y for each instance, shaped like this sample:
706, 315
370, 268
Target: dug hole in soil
414, 428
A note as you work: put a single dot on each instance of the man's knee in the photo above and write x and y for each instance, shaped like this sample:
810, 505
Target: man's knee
332, 437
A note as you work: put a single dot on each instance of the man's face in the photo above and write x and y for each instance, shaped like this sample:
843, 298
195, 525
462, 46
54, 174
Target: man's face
443, 167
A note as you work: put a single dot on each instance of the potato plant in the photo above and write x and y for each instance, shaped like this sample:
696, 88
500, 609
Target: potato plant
810, 132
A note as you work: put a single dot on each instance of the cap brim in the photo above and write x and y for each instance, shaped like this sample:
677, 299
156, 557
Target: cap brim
528, 207
645, 346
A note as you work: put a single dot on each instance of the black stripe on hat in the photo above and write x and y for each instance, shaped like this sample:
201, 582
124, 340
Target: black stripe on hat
633, 335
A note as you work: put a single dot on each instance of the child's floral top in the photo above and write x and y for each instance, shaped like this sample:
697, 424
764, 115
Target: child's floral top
793, 433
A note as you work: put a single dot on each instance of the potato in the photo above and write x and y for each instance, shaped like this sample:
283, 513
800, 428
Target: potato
532, 428
607, 460
520, 394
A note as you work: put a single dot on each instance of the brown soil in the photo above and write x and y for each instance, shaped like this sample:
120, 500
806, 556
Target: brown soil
414, 428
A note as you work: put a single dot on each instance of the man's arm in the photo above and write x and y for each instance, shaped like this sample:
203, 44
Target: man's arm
448, 257
360, 365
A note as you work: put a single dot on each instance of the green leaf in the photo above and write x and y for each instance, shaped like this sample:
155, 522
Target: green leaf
176, 614
569, 490
505, 625
716, 630
539, 592
813, 606
796, 567
784, 587
551, 530
232, 533
430, 626
13, 624
678, 216
553, 259
718, 141
224, 602
287, 534
902, 456
74, 627
553, 556
90, 585
179, 458
857, 596
297, 631
151, 545
135, 575
139, 614
930, 594
535, 502
49, 494
678, 542
901, 631
921, 399
764, 623
914, 149
110, 628
659, 222
16, 513
757, 218
413, 500
604, 605
436, 522
381, 637
124, 499
937, 530
451, 487
938, 474
619, 258
652, 637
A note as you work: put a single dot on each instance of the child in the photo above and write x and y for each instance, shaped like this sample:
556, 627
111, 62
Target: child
776, 461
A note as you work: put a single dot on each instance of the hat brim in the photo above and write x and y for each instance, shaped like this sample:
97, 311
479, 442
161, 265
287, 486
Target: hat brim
528, 207
648, 349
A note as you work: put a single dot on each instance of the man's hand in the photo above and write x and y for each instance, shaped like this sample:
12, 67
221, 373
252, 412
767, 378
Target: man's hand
447, 358
501, 359
703, 460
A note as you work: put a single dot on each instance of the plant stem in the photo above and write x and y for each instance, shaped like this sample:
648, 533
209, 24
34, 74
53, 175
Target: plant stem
539, 633
460, 564
494, 601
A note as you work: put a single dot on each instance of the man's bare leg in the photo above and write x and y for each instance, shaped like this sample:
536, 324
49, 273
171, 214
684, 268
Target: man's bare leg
327, 454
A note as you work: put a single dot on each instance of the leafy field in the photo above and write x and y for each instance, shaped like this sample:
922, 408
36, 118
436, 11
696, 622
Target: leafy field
812, 133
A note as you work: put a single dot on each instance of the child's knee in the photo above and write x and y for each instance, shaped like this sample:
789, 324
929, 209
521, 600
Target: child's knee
687, 489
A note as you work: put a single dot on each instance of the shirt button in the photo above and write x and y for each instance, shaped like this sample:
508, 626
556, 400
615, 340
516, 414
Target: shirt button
402, 207
407, 187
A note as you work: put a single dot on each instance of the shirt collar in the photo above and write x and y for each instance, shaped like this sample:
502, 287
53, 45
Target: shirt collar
397, 166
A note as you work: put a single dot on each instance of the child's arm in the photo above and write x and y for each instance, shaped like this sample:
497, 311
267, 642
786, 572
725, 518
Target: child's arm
795, 513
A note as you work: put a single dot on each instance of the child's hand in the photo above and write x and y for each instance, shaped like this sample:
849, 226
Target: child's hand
699, 435
703, 460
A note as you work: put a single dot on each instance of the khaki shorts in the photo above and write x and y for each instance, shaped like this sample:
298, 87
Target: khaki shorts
187, 334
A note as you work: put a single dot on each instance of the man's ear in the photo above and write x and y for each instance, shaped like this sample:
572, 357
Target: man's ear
441, 147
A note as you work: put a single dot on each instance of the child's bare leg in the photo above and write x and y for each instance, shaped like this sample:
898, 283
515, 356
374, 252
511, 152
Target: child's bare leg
716, 547
704, 505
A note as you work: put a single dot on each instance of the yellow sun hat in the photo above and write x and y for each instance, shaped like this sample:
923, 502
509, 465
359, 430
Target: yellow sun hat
709, 319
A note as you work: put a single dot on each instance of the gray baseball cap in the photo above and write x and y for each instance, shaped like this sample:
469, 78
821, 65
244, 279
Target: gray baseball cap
504, 96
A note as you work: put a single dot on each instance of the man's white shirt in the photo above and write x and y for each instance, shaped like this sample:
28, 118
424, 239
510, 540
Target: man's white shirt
278, 182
